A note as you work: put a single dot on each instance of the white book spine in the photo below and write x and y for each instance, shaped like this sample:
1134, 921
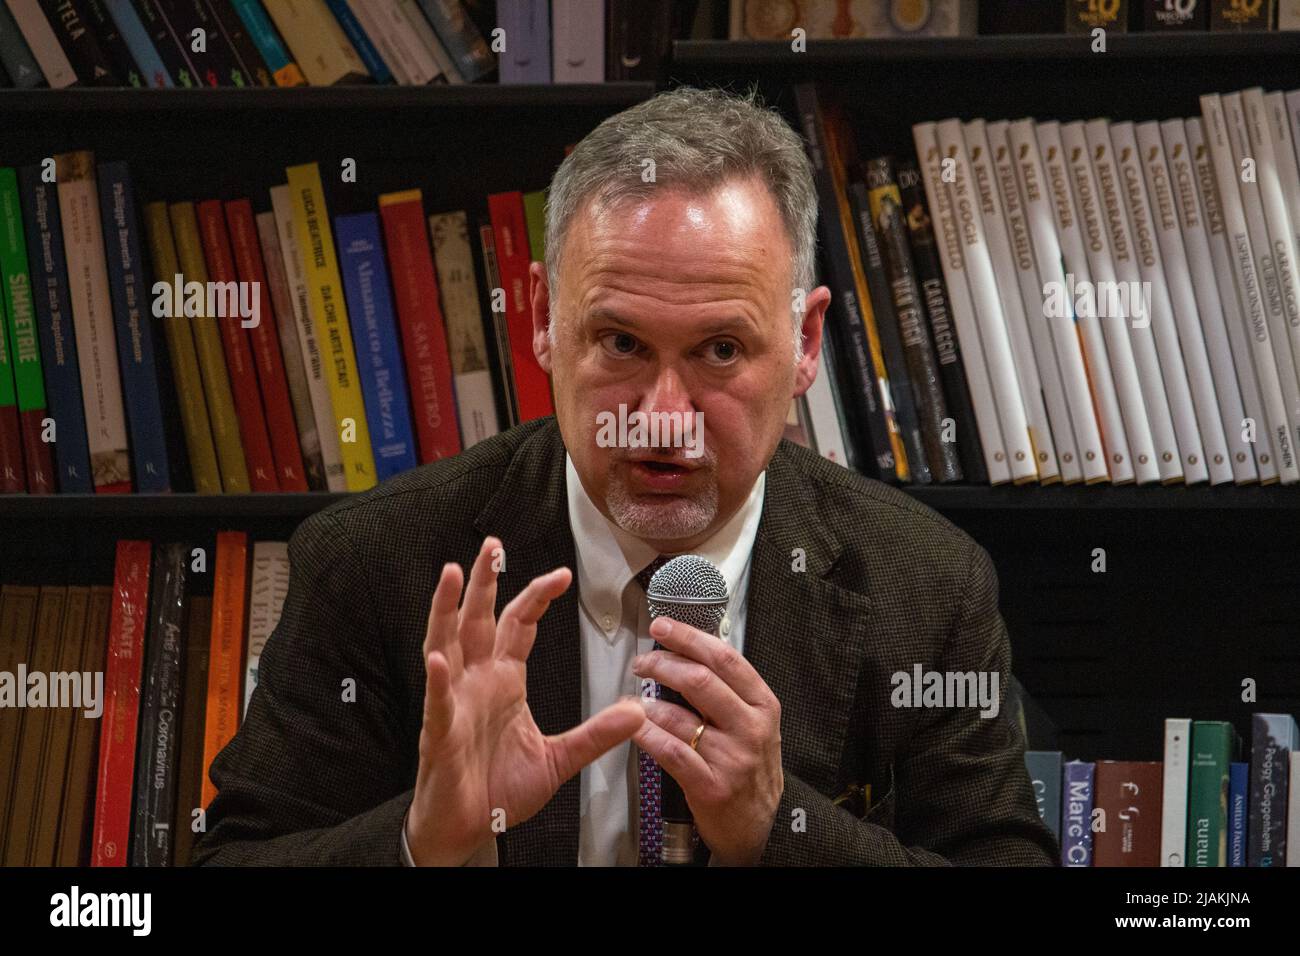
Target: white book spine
1277, 422
823, 418
1178, 332
92, 321
47, 52
268, 585
952, 260
992, 321
475, 401
1031, 184
1284, 154
407, 45
577, 41
1184, 170
984, 179
1121, 447
1124, 318
295, 275
1173, 797
1267, 297
429, 43
377, 29
1293, 120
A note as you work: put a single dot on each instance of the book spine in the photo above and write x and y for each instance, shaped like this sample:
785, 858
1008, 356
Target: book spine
377, 20
1272, 736
141, 46
424, 336
250, 418
370, 303
1207, 792
1114, 424
225, 651
1234, 319
1076, 814
442, 64
43, 43
84, 51
886, 207
527, 26
18, 610
155, 765
13, 478
16, 56
247, 59
190, 767
500, 339
1238, 778
535, 219
466, 342
207, 345
173, 48
826, 422
511, 235
135, 348
330, 322
262, 340
1185, 161
295, 371
1020, 443
110, 37
638, 39
212, 56
318, 43
1274, 367
359, 39
1184, 341
266, 593
327, 426
92, 314
184, 356
1148, 421
952, 259
997, 238
1173, 799
461, 39
283, 69
24, 348
122, 675
577, 41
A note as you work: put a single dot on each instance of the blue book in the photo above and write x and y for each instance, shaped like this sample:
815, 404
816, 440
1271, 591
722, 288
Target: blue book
1076, 814
1272, 738
1044, 768
1238, 812
44, 228
133, 320
374, 336
265, 38
358, 38
139, 42
527, 56
16, 55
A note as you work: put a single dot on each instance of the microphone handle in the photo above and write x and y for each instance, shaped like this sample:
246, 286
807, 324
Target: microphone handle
679, 824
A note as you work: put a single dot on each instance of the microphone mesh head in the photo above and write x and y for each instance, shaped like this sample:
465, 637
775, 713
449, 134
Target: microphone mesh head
691, 590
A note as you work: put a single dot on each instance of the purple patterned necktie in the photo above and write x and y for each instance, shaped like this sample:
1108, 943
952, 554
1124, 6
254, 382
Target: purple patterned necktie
649, 773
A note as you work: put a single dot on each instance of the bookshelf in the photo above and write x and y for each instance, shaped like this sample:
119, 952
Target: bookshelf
1200, 585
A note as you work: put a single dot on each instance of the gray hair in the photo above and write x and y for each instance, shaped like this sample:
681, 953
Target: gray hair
694, 139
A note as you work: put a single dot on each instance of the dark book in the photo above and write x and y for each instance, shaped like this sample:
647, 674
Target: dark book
1177, 15
934, 296
95, 12
1233, 15
1017, 16
474, 59
17, 630
156, 772
498, 341
889, 218
213, 58
90, 61
236, 36
20, 67
1272, 738
1130, 796
194, 690
1084, 16
638, 39
173, 49
860, 378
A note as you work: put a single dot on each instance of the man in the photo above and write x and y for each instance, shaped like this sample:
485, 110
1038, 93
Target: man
499, 722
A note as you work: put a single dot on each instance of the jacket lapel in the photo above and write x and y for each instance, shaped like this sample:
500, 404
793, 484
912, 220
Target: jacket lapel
530, 514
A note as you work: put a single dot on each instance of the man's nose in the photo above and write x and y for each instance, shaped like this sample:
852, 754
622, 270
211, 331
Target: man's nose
667, 393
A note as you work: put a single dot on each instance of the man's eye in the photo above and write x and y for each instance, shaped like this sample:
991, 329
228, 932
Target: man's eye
619, 343
723, 352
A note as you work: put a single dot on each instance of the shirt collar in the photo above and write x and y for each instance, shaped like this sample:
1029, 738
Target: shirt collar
609, 558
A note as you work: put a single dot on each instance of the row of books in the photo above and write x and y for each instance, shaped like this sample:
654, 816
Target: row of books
301, 352
244, 43
115, 773
826, 19
1200, 806
1064, 302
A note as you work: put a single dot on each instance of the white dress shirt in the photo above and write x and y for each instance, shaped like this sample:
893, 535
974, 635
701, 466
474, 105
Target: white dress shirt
614, 627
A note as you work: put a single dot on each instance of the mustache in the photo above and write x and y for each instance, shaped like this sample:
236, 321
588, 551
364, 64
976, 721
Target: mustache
707, 459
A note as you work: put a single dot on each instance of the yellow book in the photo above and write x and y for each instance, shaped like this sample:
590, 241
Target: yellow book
212, 357
185, 363
329, 319
317, 42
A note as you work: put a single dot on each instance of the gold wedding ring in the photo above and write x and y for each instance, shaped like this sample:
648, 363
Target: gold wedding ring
695, 741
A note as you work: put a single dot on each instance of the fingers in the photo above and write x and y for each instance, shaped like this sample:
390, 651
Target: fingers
574, 749
517, 628
476, 622
718, 656
674, 718
439, 705
687, 767
702, 688
440, 632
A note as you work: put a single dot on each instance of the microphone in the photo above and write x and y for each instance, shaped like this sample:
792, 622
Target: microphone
690, 590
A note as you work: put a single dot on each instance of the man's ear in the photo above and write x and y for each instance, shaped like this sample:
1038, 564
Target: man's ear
541, 304
814, 317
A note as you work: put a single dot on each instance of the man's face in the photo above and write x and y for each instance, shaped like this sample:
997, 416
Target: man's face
677, 304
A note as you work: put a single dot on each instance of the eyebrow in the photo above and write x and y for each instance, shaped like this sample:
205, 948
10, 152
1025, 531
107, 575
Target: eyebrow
717, 327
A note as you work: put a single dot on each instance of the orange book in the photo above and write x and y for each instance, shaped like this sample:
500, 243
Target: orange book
226, 650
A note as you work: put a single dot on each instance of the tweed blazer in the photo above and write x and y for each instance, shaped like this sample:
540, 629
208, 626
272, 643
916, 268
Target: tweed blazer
850, 582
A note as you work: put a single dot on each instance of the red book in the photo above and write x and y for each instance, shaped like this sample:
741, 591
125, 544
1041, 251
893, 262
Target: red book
11, 448
40, 463
266, 349
424, 333
509, 229
239, 359
122, 675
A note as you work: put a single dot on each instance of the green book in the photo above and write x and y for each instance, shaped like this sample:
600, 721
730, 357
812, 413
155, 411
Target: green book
535, 219
1214, 746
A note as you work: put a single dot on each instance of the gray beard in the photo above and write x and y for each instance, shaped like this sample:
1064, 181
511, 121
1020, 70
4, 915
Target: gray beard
667, 520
